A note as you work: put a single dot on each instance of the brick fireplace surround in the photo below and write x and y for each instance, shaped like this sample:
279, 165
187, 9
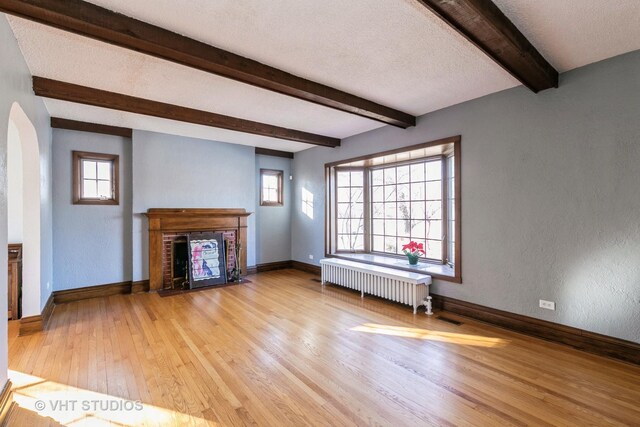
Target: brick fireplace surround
167, 224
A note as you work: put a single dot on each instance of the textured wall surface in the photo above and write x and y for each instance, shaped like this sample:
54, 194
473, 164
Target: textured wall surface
14, 183
92, 243
273, 223
176, 172
15, 86
550, 196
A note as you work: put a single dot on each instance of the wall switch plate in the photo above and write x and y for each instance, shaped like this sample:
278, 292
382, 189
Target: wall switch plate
310, 256
549, 305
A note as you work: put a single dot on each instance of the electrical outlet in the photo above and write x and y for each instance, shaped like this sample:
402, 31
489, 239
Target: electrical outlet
549, 305
310, 256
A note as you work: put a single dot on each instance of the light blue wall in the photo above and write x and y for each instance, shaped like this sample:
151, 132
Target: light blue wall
273, 223
15, 86
550, 196
92, 242
178, 172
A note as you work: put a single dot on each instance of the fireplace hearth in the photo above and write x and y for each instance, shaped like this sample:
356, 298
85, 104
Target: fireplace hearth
168, 241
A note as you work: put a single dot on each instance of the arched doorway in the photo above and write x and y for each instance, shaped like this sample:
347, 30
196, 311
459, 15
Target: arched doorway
23, 203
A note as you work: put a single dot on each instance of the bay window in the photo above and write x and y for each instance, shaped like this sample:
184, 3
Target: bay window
378, 203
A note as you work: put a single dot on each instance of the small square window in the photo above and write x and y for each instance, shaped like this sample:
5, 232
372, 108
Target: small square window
95, 179
270, 187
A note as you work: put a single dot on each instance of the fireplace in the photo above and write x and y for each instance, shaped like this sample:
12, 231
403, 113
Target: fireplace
169, 230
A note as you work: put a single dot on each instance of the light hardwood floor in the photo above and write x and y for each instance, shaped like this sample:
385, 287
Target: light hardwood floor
283, 350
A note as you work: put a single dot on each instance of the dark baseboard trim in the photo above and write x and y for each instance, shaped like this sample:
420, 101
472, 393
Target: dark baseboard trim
70, 295
303, 266
139, 286
591, 342
32, 324
6, 402
270, 266
281, 265
252, 269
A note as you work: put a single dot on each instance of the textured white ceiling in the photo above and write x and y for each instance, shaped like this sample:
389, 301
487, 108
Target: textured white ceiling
573, 33
392, 52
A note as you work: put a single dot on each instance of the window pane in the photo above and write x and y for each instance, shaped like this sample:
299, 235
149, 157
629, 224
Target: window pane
417, 172
377, 194
434, 190
377, 226
433, 249
358, 242
404, 228
390, 193
403, 192
434, 210
270, 181
417, 211
377, 243
434, 230
389, 210
89, 169
89, 188
419, 229
343, 179
343, 210
357, 226
390, 227
344, 194
403, 174
403, 210
377, 210
434, 170
104, 190
343, 242
357, 179
356, 195
357, 210
417, 191
390, 244
104, 171
377, 177
390, 176
343, 225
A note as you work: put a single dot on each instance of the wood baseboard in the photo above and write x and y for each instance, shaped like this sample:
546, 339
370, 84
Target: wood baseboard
6, 402
252, 269
281, 265
70, 295
591, 342
32, 324
139, 286
270, 266
303, 266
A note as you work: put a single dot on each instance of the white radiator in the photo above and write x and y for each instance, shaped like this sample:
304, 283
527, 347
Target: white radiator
395, 285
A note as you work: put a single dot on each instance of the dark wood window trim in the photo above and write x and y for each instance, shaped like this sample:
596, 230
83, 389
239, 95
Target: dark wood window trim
77, 158
443, 148
278, 174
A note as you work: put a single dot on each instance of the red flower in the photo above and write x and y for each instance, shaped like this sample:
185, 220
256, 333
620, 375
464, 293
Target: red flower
413, 247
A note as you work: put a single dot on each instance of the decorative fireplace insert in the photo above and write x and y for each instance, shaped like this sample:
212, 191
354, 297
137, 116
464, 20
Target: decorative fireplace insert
170, 229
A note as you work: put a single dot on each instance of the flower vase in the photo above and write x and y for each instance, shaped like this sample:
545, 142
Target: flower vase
413, 259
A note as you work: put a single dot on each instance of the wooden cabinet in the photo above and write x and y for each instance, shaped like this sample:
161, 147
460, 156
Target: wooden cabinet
15, 280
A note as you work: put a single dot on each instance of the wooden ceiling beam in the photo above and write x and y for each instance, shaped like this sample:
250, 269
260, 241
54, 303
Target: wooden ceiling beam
116, 101
274, 153
58, 123
483, 24
93, 21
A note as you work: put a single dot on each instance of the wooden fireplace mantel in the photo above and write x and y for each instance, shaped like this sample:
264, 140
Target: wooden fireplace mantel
189, 220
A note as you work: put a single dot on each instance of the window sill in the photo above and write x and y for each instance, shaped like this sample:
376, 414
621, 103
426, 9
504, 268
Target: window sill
437, 271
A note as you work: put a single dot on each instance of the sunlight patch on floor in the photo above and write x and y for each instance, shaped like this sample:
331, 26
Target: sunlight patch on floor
425, 334
72, 406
